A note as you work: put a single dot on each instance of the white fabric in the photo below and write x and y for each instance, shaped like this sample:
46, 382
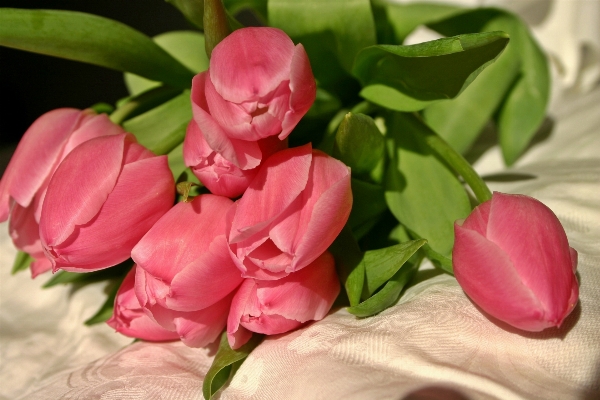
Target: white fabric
433, 344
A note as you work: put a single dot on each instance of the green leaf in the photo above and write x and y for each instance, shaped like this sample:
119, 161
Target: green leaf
348, 263
187, 47
22, 262
523, 109
426, 72
91, 39
65, 277
389, 294
162, 128
420, 190
367, 205
405, 18
332, 32
358, 143
106, 310
259, 7
223, 365
382, 264
325, 104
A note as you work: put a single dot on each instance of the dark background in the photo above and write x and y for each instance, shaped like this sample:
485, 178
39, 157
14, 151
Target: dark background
32, 84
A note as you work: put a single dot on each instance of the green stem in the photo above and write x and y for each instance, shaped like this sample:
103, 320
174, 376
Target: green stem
143, 102
456, 161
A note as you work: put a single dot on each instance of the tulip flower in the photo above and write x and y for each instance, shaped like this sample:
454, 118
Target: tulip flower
258, 85
129, 317
104, 196
220, 176
292, 211
278, 306
512, 258
23, 186
185, 277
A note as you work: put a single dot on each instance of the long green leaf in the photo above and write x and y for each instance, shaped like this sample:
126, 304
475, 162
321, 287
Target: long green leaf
226, 361
523, 109
425, 72
421, 192
389, 294
348, 263
162, 128
91, 39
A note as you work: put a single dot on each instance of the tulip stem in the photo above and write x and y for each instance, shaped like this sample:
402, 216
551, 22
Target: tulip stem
453, 158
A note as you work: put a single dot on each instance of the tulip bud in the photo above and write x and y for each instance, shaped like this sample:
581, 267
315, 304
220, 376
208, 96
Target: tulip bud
24, 183
105, 195
512, 258
278, 306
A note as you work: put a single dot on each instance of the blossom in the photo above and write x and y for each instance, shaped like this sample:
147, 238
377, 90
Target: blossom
258, 85
292, 211
23, 187
185, 277
104, 196
512, 258
278, 306
219, 175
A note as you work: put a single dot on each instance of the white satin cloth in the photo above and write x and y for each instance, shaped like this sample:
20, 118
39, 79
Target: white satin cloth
434, 344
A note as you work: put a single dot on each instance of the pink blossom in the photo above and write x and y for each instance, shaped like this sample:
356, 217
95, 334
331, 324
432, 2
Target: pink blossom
104, 196
258, 85
278, 306
292, 211
129, 317
24, 183
512, 258
185, 277
220, 176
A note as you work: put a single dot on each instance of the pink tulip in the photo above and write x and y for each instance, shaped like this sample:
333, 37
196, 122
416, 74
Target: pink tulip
292, 211
258, 85
220, 176
24, 183
512, 258
278, 306
104, 196
185, 276
129, 317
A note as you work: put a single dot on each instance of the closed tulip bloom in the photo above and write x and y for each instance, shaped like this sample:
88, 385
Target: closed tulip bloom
512, 258
105, 195
219, 175
24, 183
278, 306
130, 319
185, 276
292, 211
258, 85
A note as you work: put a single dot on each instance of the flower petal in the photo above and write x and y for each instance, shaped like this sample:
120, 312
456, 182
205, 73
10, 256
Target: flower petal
237, 335
489, 278
251, 62
36, 156
199, 328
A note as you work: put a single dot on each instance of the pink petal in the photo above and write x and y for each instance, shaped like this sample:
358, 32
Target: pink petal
536, 243
304, 90
326, 205
181, 236
40, 266
490, 279
200, 328
92, 126
478, 219
129, 318
143, 193
85, 183
35, 156
304, 295
210, 278
244, 154
195, 148
251, 62
269, 324
237, 336
279, 181
225, 112
24, 230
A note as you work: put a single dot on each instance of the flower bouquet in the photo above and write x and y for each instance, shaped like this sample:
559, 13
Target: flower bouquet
257, 176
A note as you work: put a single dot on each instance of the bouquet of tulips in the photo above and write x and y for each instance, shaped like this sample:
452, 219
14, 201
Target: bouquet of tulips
256, 176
